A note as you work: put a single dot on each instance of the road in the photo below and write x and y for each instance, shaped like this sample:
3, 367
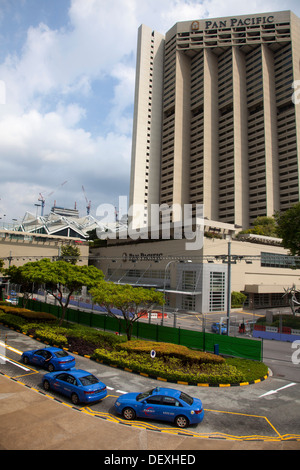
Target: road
279, 357
267, 411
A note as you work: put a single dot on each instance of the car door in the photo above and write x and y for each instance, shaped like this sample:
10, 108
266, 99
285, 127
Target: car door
170, 408
65, 383
39, 357
151, 407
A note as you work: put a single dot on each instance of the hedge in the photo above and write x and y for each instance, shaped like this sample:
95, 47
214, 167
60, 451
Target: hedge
29, 314
172, 350
170, 370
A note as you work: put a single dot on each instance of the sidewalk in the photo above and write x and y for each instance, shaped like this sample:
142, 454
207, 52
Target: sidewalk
31, 421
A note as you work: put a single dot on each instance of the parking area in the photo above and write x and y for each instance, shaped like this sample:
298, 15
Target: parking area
238, 414
30, 421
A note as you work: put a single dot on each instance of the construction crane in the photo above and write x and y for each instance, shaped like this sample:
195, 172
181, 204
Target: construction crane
89, 203
43, 200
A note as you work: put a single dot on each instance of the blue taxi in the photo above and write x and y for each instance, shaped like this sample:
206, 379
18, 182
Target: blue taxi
50, 358
164, 404
79, 385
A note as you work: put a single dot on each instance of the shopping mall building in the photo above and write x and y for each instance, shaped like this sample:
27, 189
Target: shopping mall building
200, 280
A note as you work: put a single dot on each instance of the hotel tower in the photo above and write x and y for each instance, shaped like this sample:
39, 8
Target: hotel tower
217, 119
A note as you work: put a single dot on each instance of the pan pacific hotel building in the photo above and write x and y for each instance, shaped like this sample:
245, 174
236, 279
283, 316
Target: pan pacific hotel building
216, 124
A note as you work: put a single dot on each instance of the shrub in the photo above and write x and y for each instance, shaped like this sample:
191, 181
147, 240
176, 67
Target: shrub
28, 314
170, 370
237, 299
12, 320
172, 350
51, 337
251, 370
10, 309
95, 337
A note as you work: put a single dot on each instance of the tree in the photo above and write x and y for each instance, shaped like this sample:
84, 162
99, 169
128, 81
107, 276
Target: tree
288, 228
70, 254
133, 302
263, 225
60, 276
237, 299
16, 277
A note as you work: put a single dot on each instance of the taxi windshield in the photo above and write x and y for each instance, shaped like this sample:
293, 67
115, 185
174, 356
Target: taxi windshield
142, 396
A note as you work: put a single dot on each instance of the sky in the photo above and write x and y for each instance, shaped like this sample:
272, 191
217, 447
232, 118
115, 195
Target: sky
67, 77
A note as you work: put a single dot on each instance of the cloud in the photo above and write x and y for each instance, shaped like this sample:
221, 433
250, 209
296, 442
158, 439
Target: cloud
45, 150
69, 94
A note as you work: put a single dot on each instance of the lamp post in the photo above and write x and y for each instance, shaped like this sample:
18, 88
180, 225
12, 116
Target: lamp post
228, 284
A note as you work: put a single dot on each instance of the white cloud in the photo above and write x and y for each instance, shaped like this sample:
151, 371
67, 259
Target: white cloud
51, 130
45, 150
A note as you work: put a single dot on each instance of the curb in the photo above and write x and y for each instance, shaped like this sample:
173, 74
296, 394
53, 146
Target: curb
179, 382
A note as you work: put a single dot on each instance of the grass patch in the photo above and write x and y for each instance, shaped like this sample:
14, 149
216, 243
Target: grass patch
251, 370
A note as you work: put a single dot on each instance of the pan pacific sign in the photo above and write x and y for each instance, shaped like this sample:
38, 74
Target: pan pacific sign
156, 257
234, 22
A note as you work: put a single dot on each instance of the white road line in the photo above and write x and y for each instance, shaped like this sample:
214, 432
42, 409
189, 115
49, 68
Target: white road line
10, 348
12, 362
271, 392
25, 368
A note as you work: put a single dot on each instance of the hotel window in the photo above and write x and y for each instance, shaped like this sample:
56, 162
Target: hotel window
274, 260
217, 292
188, 280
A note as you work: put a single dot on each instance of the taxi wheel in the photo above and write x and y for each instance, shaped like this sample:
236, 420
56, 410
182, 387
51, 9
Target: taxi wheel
128, 413
25, 360
181, 421
75, 399
46, 385
51, 367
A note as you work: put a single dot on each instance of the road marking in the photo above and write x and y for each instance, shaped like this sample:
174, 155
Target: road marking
14, 363
250, 416
271, 392
217, 435
11, 348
